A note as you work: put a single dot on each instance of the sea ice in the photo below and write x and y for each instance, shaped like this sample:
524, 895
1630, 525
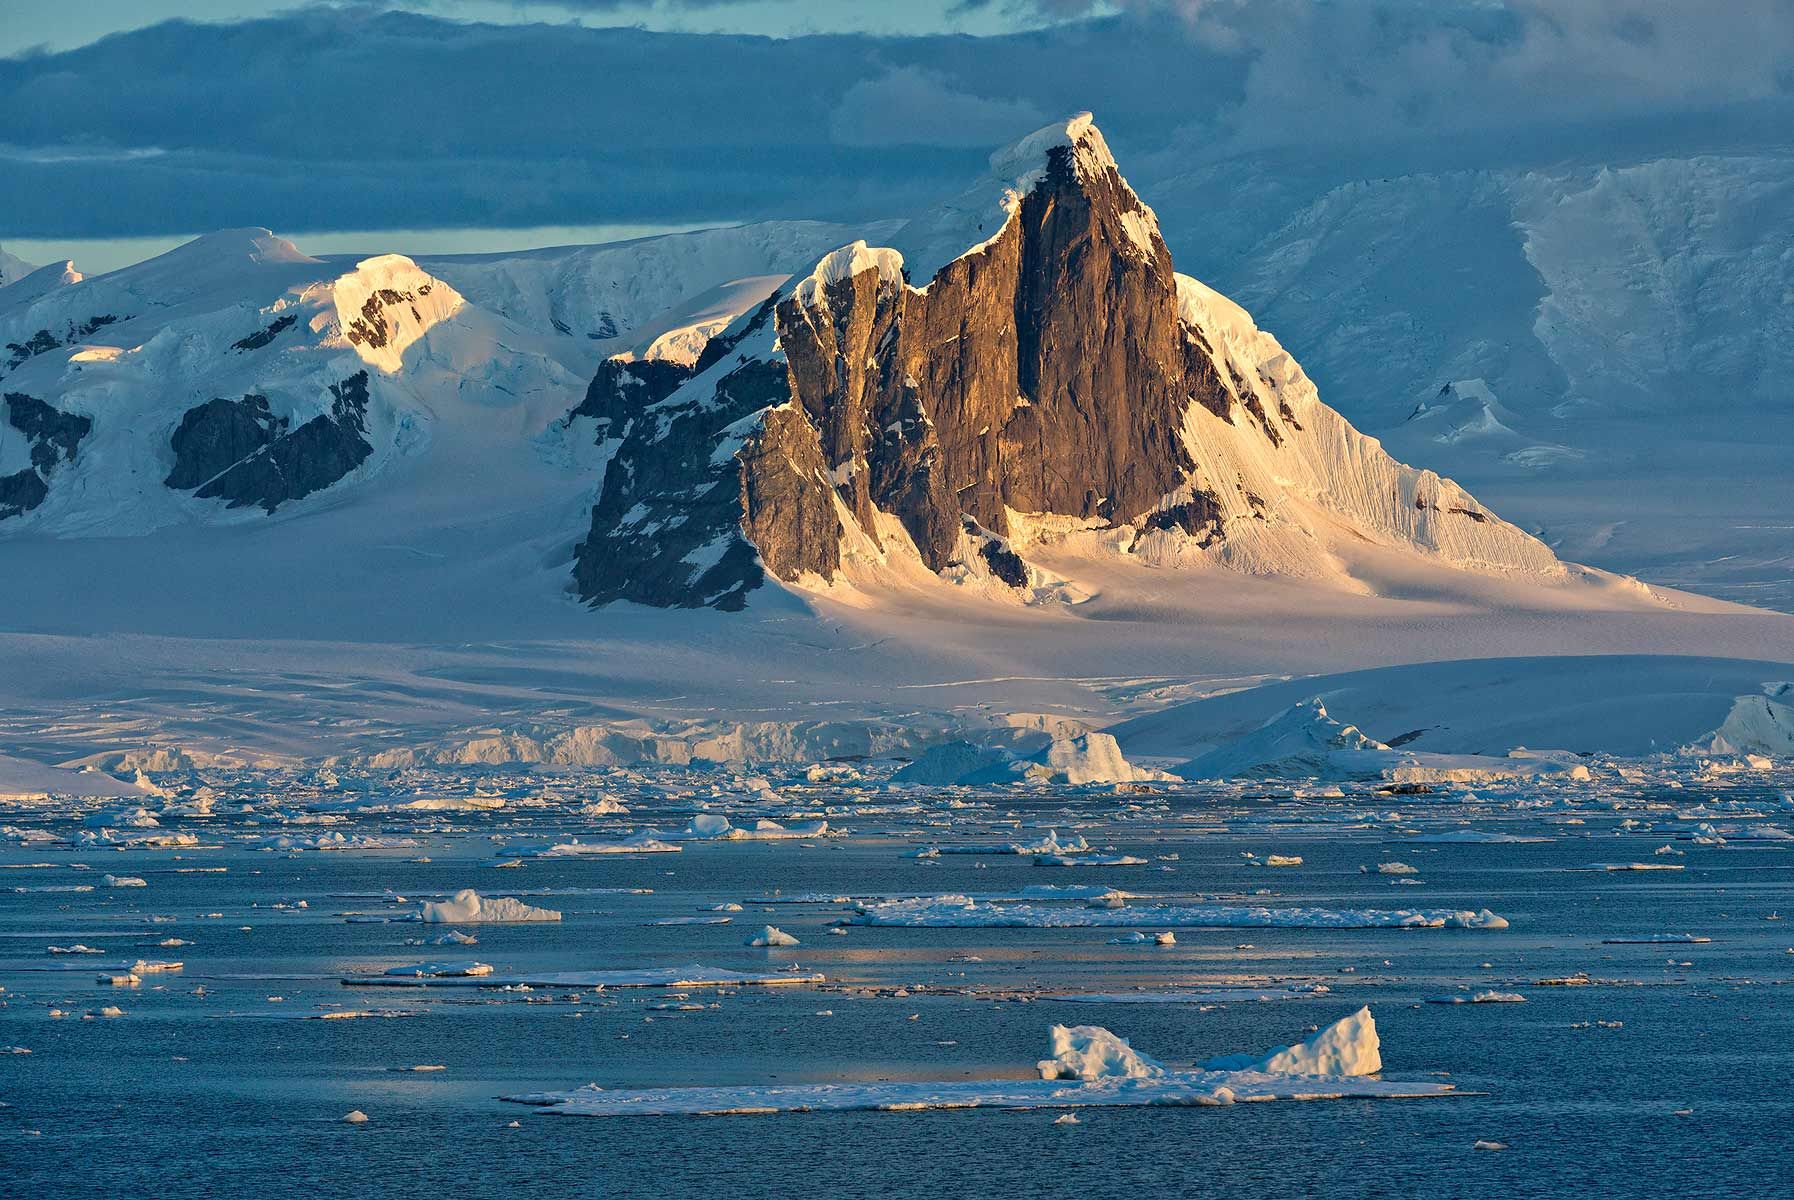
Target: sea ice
468, 907
1349, 1046
1089, 1067
771, 936
962, 911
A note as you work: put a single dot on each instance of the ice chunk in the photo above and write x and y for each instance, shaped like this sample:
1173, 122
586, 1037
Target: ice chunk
1348, 1047
468, 907
1092, 1052
772, 936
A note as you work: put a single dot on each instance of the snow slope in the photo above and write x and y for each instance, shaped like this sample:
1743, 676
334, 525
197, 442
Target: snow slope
1613, 324
1622, 704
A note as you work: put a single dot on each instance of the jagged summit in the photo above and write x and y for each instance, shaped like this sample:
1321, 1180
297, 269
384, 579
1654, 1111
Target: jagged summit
1051, 379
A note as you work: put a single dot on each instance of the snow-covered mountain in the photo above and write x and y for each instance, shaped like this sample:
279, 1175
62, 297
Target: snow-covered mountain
13, 268
1021, 368
1019, 376
236, 378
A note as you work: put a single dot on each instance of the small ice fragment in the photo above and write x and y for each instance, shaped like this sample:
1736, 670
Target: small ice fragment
355, 1117
1482, 1144
1066, 1119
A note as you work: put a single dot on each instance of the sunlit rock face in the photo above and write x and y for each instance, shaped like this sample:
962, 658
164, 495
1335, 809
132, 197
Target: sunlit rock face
1053, 366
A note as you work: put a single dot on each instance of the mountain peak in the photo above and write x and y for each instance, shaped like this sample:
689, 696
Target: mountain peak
1052, 381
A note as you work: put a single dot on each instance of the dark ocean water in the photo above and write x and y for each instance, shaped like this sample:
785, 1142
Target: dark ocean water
230, 1094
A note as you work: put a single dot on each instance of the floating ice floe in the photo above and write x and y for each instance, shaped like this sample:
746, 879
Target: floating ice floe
462, 968
646, 977
1090, 1067
1088, 860
1478, 998
961, 911
336, 841
124, 881
468, 907
640, 843
1471, 837
1213, 996
1050, 844
711, 827
1658, 939
1632, 866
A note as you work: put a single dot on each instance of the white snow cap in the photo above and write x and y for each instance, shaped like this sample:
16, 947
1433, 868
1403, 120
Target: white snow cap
845, 263
1029, 154
1092, 1052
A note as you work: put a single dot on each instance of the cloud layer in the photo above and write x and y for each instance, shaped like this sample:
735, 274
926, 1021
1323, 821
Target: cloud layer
333, 118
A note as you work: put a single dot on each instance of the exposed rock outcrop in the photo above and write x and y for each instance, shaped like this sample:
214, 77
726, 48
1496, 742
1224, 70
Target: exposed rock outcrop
54, 438
240, 452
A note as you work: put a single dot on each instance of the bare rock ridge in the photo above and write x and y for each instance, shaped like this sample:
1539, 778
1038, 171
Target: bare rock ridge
1052, 368
240, 452
54, 437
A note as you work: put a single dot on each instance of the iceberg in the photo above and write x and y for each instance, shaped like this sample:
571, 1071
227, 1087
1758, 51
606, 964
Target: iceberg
468, 907
1092, 1052
1349, 1047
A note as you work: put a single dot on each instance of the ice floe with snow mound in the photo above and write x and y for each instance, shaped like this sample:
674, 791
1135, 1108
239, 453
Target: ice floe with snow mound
1090, 1067
1187, 996
1471, 837
963, 912
1050, 844
693, 975
1478, 998
468, 907
711, 827
640, 843
464, 968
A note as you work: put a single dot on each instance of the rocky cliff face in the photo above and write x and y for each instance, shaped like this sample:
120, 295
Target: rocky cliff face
1053, 369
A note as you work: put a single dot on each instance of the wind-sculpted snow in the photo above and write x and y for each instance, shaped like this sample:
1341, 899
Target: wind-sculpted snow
963, 912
